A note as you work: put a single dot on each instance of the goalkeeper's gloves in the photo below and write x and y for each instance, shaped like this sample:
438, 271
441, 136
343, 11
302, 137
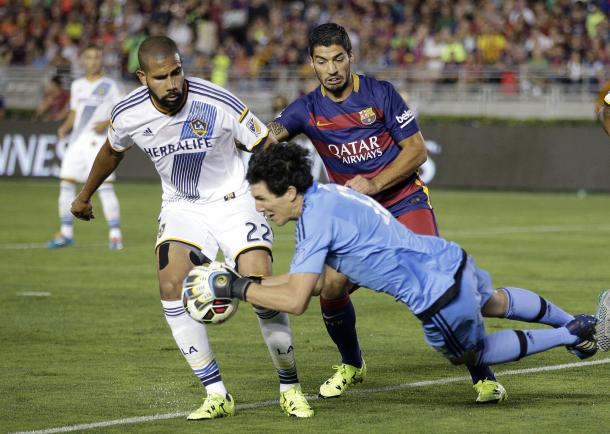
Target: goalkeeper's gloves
235, 286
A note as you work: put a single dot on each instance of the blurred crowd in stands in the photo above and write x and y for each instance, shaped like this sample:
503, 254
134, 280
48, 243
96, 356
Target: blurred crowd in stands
562, 41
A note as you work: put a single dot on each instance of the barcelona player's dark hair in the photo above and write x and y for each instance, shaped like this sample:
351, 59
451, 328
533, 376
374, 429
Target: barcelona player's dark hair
329, 34
280, 166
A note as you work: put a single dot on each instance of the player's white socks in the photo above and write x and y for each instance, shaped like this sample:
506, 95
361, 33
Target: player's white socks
275, 328
192, 340
67, 192
111, 208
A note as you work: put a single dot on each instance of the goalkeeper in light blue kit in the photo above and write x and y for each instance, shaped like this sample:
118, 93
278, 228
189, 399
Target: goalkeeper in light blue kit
435, 278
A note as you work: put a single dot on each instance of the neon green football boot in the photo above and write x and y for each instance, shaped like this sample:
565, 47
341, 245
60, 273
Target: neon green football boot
214, 406
294, 403
346, 376
490, 392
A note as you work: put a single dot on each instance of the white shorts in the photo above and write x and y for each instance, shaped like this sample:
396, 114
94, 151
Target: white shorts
78, 160
233, 226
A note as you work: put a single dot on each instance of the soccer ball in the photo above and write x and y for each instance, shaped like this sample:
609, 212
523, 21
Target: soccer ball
198, 298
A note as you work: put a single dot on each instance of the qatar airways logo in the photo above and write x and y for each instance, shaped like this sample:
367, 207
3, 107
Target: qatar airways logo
356, 151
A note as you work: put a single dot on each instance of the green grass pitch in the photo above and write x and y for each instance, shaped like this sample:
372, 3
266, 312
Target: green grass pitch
98, 349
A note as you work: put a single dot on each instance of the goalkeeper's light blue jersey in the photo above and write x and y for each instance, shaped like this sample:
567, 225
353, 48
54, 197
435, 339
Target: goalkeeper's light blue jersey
355, 235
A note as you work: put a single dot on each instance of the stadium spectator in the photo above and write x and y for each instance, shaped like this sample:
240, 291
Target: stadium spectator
55, 102
384, 34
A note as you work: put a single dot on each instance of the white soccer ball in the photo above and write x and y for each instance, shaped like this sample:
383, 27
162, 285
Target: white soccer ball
198, 298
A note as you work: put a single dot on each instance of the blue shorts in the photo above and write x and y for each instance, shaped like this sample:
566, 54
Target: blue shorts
458, 327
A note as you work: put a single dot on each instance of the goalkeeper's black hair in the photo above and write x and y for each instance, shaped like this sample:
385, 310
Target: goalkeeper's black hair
280, 166
329, 34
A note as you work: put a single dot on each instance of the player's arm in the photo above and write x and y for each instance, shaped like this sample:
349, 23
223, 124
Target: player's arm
604, 116
292, 296
101, 126
106, 161
277, 133
412, 155
67, 125
283, 279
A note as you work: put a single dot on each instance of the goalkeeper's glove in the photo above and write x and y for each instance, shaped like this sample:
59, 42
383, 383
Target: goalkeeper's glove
235, 286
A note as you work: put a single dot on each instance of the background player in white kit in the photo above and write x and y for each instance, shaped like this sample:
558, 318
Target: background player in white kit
189, 128
91, 101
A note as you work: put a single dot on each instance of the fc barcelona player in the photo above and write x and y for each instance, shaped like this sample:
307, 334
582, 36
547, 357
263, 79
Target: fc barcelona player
369, 140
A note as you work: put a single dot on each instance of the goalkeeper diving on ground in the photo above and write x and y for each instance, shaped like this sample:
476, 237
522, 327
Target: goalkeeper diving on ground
436, 279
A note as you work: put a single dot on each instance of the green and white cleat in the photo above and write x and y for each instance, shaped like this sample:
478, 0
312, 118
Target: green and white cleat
490, 392
294, 403
346, 376
602, 328
214, 406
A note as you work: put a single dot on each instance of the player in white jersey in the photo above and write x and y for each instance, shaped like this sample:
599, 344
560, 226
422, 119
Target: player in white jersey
190, 129
91, 101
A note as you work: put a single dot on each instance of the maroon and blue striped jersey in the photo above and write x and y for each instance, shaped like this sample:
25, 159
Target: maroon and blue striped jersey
360, 136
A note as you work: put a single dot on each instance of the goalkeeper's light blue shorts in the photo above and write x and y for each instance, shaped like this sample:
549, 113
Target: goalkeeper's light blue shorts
458, 327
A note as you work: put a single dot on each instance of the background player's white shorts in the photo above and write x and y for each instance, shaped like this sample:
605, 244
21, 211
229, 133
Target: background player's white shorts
233, 226
78, 160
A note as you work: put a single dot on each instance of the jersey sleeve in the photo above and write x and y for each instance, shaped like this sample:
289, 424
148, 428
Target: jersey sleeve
399, 119
294, 117
118, 137
249, 131
311, 248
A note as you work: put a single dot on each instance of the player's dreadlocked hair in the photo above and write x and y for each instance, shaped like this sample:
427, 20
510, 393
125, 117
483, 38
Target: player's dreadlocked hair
329, 34
280, 166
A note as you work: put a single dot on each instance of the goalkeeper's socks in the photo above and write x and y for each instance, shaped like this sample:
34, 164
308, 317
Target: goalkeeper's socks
275, 328
192, 340
340, 321
525, 305
509, 345
480, 373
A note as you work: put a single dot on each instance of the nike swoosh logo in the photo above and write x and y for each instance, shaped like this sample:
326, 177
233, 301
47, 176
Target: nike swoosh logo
322, 124
331, 316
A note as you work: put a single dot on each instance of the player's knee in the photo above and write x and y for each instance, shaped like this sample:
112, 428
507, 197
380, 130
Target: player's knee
497, 305
170, 289
335, 286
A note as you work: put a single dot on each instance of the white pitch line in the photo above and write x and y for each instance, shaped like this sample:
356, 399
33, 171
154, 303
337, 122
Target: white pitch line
33, 294
259, 404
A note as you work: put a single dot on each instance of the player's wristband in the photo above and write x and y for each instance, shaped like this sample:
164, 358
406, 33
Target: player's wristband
256, 278
240, 287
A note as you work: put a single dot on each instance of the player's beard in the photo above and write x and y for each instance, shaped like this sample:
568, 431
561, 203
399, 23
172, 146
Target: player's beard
336, 89
170, 104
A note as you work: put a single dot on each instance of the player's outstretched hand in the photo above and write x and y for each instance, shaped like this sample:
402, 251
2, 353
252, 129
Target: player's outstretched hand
232, 286
82, 209
362, 185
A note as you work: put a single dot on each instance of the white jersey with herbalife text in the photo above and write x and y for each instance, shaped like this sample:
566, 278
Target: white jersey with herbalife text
194, 150
92, 102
